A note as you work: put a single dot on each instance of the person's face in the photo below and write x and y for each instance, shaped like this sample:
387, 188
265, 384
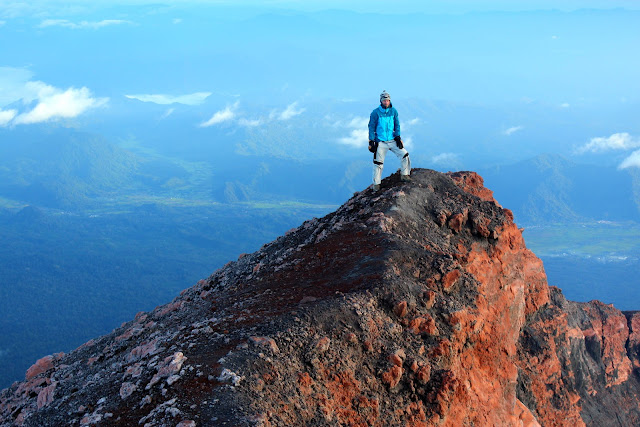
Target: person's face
386, 103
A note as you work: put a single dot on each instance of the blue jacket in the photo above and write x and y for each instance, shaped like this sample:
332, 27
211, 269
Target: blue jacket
384, 124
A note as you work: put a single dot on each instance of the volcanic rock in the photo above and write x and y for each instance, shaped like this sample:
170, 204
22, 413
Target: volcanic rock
418, 305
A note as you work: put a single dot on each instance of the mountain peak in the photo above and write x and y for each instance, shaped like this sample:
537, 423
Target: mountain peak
416, 305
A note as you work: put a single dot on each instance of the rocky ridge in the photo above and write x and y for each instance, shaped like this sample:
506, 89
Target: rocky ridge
419, 305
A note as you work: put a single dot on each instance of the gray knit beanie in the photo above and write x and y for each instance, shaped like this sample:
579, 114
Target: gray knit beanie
385, 95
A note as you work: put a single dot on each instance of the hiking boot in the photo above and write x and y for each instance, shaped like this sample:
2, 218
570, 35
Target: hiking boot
405, 178
376, 187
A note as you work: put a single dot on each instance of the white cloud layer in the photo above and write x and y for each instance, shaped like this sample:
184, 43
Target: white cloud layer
359, 134
445, 159
221, 116
196, 98
249, 122
231, 113
6, 116
287, 113
51, 103
82, 25
617, 141
54, 103
512, 130
359, 122
632, 161
357, 138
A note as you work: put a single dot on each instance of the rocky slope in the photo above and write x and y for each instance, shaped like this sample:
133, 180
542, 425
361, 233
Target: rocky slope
419, 305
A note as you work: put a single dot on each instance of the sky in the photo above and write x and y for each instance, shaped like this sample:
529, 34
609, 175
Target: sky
515, 78
43, 7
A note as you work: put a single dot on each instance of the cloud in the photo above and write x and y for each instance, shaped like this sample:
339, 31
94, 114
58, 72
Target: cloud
407, 142
336, 121
288, 112
249, 122
177, 20
445, 159
167, 113
617, 141
82, 25
51, 103
2, 23
632, 161
6, 116
221, 116
196, 98
54, 103
359, 134
357, 138
15, 9
359, 122
565, 105
512, 130
413, 121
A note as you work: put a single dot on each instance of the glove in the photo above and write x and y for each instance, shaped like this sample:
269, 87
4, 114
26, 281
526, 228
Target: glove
372, 146
399, 142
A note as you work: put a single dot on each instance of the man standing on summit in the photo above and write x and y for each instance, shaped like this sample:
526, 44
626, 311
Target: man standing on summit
384, 135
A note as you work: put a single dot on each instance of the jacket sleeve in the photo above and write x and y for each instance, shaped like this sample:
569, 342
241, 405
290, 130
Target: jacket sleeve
396, 123
373, 123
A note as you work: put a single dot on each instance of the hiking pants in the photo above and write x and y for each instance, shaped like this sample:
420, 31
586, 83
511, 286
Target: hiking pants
381, 153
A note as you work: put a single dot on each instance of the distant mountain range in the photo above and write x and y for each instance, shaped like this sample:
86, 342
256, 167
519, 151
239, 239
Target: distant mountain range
67, 169
550, 188
62, 168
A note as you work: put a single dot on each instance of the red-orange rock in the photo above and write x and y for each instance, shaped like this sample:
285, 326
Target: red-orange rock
305, 383
455, 222
42, 365
424, 374
480, 224
430, 299
472, 183
395, 359
508, 214
424, 324
450, 278
400, 309
392, 376
45, 396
